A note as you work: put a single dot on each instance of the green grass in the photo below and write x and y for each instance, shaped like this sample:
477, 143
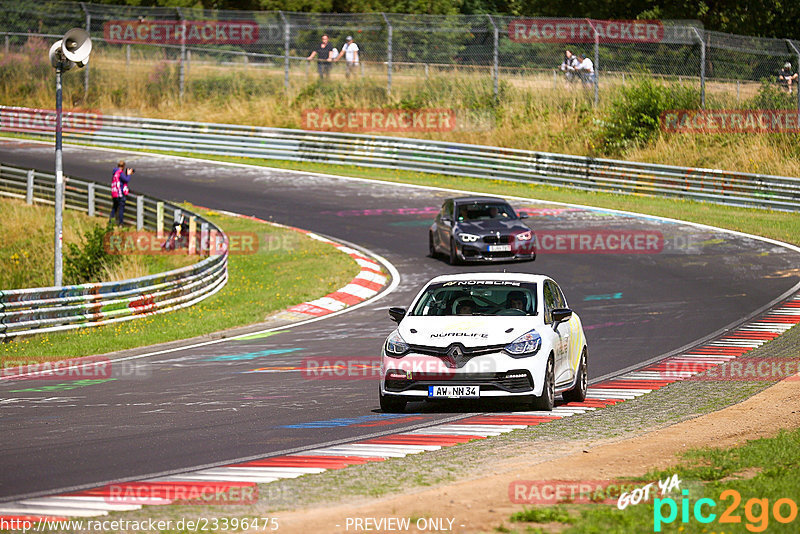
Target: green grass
287, 269
760, 469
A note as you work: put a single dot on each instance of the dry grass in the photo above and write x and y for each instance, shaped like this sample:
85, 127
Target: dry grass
534, 111
26, 247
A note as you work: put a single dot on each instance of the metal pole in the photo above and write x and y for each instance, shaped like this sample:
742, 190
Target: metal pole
7, 43
702, 68
29, 190
797, 52
496, 66
139, 212
388, 55
86, 68
183, 50
596, 66
59, 192
90, 201
286, 42
127, 55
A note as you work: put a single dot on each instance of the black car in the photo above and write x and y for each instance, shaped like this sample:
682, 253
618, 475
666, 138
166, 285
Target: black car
481, 229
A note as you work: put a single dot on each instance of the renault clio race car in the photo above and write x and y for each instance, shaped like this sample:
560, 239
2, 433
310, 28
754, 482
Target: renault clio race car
469, 229
485, 335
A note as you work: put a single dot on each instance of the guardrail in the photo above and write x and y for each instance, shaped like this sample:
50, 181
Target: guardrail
49, 309
578, 172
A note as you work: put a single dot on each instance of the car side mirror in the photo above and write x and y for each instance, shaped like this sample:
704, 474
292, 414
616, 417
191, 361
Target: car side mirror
560, 315
523, 215
447, 220
397, 314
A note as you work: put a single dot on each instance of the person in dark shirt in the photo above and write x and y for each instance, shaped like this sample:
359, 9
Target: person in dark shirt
786, 77
323, 54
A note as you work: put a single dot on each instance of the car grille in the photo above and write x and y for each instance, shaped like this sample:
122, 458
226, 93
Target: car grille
518, 381
498, 240
460, 361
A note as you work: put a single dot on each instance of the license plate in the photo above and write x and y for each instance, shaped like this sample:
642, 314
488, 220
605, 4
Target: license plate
499, 248
454, 392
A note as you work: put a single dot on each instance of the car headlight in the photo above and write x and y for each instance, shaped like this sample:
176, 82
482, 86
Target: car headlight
396, 345
525, 236
468, 238
527, 344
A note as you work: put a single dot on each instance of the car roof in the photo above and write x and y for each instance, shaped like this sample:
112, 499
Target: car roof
521, 277
462, 200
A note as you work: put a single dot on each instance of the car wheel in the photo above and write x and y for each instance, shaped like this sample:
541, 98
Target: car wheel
453, 259
546, 400
578, 393
392, 404
431, 247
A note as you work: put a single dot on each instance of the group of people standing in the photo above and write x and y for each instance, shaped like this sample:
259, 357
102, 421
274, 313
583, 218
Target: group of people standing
577, 67
327, 54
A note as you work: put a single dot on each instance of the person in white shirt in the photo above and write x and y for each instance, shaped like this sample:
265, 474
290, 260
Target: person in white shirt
585, 69
350, 53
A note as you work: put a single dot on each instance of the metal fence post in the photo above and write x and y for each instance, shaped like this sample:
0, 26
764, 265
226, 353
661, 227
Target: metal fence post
797, 53
204, 248
388, 54
496, 65
7, 43
29, 191
90, 199
702, 68
86, 68
160, 220
192, 235
286, 42
183, 52
127, 56
139, 212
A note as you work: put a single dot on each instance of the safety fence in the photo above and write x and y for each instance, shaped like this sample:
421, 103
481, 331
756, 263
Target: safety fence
50, 309
393, 47
456, 159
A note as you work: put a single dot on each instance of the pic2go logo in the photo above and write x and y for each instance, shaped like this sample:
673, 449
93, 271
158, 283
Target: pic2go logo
756, 511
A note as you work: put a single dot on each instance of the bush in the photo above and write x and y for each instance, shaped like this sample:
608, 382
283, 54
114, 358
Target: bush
633, 118
770, 96
86, 262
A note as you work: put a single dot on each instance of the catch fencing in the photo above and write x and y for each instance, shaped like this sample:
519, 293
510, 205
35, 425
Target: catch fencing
50, 309
396, 48
455, 159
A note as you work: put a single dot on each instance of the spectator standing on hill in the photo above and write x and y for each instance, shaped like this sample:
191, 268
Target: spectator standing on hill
786, 77
323, 54
350, 53
585, 69
569, 65
119, 191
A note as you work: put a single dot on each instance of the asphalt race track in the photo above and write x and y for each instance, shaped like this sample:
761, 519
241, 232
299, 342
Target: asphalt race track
206, 405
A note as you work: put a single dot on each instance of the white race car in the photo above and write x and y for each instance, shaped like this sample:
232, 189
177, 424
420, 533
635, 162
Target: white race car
481, 335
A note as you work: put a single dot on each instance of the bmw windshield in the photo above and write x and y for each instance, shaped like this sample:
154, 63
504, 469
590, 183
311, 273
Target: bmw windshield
476, 297
485, 211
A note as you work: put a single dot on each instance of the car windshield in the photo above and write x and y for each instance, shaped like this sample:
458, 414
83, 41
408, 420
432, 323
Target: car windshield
476, 297
484, 211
